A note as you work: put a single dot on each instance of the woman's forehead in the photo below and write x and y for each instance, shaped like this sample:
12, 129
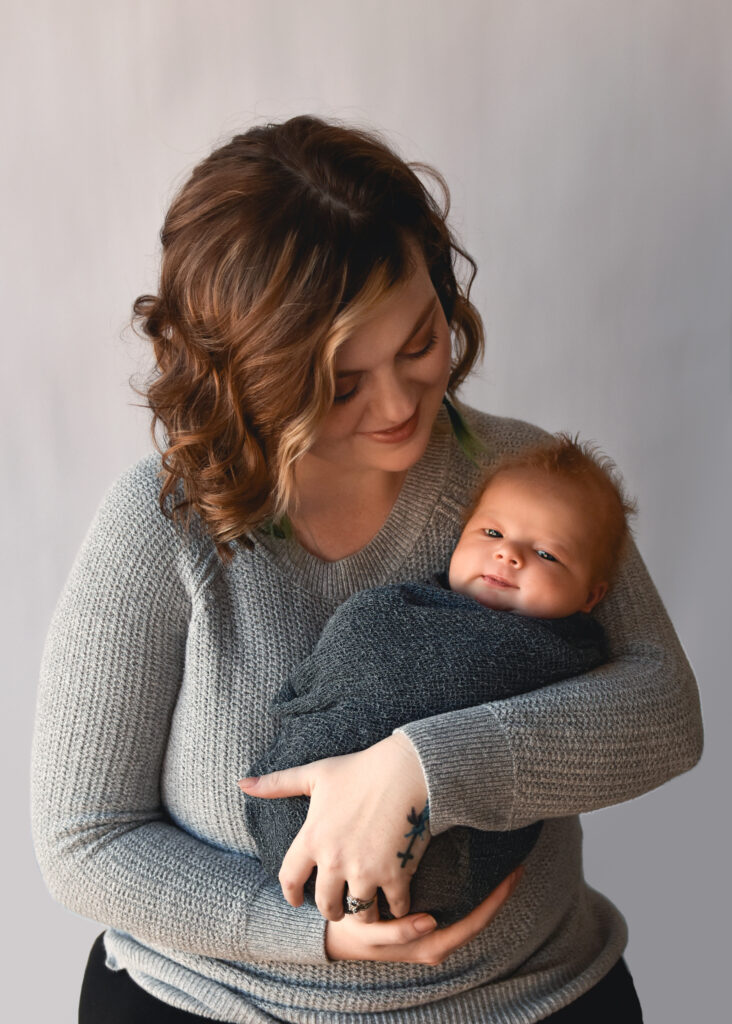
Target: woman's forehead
394, 320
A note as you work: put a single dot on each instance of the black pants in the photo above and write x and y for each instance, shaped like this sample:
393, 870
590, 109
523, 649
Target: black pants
112, 997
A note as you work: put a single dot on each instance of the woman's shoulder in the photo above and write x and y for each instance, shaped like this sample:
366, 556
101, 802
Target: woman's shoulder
500, 434
139, 480
133, 497
130, 515
489, 437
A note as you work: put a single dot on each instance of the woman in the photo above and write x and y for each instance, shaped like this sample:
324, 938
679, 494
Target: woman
307, 327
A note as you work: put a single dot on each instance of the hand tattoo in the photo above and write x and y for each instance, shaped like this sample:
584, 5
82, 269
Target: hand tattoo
419, 827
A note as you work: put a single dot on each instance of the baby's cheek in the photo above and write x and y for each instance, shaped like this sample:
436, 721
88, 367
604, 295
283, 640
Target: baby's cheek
454, 570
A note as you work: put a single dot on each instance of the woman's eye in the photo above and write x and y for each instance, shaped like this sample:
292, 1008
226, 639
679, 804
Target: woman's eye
345, 396
490, 532
422, 351
546, 555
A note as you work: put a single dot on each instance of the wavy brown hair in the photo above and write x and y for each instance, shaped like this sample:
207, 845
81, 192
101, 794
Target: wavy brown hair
274, 251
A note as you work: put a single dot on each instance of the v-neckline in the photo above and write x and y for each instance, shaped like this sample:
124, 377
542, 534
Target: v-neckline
376, 561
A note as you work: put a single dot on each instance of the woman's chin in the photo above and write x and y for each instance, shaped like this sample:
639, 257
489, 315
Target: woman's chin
402, 459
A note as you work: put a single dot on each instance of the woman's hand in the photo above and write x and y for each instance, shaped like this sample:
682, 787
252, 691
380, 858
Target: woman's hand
413, 939
366, 826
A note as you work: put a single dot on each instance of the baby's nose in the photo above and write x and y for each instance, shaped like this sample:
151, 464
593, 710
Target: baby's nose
509, 555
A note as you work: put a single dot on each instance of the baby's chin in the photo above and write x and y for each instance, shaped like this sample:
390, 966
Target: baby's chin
499, 606
509, 600
496, 600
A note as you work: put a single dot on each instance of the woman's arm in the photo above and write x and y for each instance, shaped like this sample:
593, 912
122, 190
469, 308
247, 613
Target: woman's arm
587, 742
112, 667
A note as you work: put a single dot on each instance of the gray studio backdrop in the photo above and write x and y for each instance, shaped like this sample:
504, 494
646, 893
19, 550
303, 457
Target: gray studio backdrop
588, 146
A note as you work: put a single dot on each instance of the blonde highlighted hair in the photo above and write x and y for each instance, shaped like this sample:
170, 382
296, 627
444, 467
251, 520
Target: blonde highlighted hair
276, 249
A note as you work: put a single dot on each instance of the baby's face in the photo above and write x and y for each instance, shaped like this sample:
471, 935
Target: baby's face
528, 548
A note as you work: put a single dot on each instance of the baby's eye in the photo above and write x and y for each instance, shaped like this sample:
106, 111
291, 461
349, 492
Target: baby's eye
546, 555
490, 532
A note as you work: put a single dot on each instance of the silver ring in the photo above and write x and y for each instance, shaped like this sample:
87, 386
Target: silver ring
355, 906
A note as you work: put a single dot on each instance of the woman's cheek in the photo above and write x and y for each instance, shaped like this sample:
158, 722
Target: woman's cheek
446, 361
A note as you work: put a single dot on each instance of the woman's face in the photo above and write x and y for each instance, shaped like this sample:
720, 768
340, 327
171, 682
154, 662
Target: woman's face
391, 376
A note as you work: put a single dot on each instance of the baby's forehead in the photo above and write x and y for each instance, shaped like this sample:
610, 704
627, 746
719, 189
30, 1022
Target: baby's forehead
531, 486
548, 495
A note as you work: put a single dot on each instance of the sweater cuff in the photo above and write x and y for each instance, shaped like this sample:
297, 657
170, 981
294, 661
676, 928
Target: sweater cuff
276, 931
468, 767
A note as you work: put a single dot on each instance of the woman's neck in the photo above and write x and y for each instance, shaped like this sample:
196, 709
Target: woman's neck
338, 514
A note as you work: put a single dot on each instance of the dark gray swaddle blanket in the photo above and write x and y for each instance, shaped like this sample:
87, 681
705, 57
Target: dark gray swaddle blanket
393, 655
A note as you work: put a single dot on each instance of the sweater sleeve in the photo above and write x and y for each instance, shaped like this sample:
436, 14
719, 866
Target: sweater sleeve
111, 670
577, 745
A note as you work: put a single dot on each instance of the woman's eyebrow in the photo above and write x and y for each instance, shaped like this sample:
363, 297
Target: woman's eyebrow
419, 324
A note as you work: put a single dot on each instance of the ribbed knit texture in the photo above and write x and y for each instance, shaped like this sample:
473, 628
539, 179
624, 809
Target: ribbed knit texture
390, 656
157, 680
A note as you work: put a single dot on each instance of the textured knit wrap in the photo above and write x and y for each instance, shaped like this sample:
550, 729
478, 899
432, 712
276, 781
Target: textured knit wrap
396, 654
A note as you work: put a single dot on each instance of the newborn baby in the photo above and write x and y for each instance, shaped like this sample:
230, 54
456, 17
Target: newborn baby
538, 550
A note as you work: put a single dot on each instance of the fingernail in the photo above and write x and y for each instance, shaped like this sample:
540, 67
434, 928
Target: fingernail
246, 783
424, 924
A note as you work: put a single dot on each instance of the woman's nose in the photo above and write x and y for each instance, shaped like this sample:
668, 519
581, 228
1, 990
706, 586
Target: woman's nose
392, 402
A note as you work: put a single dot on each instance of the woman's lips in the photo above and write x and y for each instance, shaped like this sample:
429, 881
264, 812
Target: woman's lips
401, 432
498, 581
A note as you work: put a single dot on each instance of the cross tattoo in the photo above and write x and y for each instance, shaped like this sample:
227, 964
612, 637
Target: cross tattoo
419, 826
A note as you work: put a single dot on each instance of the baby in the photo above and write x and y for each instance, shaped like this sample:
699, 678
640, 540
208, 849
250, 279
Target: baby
538, 550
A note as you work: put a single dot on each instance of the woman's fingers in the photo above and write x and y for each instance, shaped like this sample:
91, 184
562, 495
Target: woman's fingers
287, 782
414, 938
366, 893
350, 939
442, 943
329, 890
397, 896
296, 868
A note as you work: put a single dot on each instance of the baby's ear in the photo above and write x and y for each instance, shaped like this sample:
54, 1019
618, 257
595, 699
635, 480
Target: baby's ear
594, 597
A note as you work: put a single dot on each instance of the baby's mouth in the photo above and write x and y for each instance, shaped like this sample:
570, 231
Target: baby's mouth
499, 581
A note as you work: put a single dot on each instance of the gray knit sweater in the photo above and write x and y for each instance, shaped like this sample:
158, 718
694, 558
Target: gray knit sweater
157, 679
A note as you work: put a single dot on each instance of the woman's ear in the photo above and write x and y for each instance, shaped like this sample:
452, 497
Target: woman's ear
594, 597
